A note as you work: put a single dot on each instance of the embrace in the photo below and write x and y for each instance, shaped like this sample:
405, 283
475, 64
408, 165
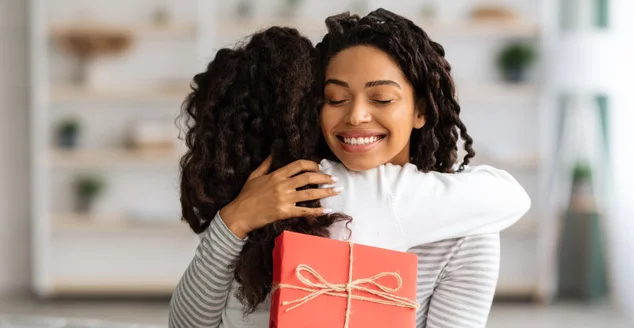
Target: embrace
353, 139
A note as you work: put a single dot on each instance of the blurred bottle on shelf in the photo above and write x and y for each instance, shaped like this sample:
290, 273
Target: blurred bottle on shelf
582, 268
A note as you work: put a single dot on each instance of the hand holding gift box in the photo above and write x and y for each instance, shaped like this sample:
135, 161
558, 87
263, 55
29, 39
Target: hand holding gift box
320, 282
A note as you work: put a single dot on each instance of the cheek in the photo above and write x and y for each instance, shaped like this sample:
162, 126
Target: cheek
399, 120
328, 119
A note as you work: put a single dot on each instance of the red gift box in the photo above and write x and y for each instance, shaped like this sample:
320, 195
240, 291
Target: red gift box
319, 282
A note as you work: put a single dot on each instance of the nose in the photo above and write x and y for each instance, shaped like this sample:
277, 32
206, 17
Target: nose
359, 114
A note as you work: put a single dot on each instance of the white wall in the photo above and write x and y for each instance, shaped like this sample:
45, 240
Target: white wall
622, 223
14, 160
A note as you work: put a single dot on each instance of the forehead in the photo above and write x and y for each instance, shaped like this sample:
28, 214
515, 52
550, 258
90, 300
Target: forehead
363, 63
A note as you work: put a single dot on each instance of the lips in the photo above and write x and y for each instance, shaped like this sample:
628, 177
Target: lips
360, 141
360, 134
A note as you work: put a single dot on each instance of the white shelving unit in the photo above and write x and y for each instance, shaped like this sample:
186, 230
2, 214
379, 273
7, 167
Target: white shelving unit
161, 94
114, 250
105, 223
148, 30
498, 93
111, 157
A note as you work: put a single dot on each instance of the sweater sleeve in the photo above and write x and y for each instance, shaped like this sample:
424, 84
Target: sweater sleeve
436, 206
201, 295
465, 290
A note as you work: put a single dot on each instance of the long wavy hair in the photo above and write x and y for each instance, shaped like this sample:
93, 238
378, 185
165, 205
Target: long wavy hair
260, 98
435, 146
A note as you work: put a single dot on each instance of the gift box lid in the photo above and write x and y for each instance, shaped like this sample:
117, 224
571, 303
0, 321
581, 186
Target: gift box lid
327, 262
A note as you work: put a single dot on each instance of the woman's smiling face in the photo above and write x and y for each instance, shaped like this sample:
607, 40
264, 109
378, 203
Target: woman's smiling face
370, 109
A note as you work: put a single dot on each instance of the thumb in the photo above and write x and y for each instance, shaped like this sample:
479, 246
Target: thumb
261, 170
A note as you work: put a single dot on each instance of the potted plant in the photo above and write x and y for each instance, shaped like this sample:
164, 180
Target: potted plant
161, 16
428, 11
514, 60
87, 189
581, 172
359, 7
581, 195
68, 133
291, 8
244, 9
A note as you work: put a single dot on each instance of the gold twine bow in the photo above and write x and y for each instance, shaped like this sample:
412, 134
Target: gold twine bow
384, 295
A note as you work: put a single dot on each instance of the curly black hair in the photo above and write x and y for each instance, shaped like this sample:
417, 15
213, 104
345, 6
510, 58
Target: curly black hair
435, 146
260, 98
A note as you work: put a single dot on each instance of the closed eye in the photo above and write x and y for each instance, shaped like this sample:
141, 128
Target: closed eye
335, 102
383, 102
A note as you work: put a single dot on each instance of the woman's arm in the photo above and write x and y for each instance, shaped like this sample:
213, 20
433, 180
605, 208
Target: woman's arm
432, 206
201, 295
436, 206
465, 289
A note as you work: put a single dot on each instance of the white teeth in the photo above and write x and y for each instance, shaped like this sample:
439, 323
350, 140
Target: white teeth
361, 141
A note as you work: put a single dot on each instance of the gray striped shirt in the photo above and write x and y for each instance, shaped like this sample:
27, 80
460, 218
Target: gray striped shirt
456, 283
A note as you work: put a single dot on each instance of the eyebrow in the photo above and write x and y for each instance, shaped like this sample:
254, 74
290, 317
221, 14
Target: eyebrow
367, 85
337, 82
382, 82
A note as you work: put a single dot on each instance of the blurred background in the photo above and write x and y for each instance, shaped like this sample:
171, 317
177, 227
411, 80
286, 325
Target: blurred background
89, 90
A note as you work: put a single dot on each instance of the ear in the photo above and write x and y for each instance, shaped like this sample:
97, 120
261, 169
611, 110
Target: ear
419, 117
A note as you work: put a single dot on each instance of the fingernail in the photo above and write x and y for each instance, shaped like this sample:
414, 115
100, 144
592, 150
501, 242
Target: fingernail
326, 211
338, 189
334, 179
320, 167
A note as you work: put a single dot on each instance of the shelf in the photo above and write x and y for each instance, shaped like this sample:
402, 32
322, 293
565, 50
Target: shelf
77, 93
523, 163
497, 92
493, 29
77, 222
168, 31
243, 27
512, 290
106, 157
76, 287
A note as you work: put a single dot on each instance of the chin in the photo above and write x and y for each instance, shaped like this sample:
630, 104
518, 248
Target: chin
358, 164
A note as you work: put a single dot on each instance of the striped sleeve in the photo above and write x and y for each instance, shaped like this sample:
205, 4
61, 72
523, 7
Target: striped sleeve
465, 290
201, 295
